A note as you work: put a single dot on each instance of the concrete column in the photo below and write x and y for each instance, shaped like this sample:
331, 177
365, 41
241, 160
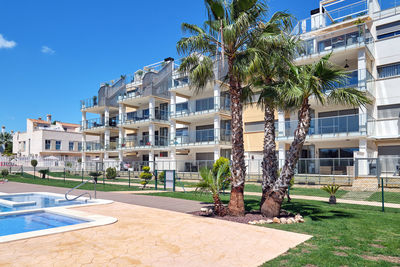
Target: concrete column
106, 142
217, 128
83, 123
172, 132
361, 155
106, 116
281, 123
152, 106
217, 152
282, 154
121, 113
83, 149
173, 158
362, 66
217, 96
173, 104
151, 160
152, 134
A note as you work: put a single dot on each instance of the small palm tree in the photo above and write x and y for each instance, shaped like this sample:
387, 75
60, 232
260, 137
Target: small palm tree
213, 183
319, 80
331, 190
6, 142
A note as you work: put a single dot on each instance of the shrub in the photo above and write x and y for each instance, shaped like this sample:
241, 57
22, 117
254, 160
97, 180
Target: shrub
111, 173
4, 173
68, 164
146, 175
44, 172
79, 160
331, 190
226, 171
161, 177
34, 163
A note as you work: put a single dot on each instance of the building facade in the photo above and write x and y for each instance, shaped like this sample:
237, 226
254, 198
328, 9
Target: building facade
46, 139
363, 37
153, 117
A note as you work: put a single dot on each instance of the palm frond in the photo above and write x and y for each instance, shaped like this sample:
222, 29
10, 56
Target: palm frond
349, 96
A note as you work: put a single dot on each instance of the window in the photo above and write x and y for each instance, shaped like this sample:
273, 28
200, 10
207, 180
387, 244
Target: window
251, 127
205, 104
58, 145
181, 107
79, 146
389, 111
163, 154
388, 30
47, 144
389, 70
71, 146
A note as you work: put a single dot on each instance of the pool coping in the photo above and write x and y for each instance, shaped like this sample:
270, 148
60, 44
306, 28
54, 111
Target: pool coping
93, 220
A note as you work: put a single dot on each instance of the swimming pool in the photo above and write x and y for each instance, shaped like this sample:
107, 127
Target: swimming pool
31, 214
34, 221
29, 201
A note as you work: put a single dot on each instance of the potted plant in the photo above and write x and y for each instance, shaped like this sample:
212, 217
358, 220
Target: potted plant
331, 190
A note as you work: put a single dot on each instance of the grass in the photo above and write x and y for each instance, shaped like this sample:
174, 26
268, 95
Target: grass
389, 197
29, 179
342, 234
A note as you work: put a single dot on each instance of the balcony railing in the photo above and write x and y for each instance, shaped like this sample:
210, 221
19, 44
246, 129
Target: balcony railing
328, 126
89, 102
143, 141
203, 137
98, 123
331, 16
178, 83
336, 40
94, 146
202, 106
144, 116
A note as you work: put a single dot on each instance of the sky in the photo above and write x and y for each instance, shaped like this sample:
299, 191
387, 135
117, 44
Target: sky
55, 53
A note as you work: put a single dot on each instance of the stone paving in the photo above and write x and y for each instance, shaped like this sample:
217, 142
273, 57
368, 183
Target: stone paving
152, 237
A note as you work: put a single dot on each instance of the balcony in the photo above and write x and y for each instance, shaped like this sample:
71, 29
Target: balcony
352, 37
144, 142
337, 13
328, 127
98, 124
89, 103
387, 128
361, 79
143, 118
203, 138
201, 108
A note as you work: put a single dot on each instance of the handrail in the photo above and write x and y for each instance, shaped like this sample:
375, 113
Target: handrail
85, 193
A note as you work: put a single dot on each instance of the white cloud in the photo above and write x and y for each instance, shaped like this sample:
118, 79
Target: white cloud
5, 43
47, 50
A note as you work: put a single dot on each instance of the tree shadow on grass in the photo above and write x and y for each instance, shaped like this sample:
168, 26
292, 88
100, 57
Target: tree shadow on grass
316, 212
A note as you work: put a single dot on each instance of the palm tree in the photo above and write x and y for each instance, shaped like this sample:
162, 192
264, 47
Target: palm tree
269, 74
6, 142
214, 183
235, 22
320, 81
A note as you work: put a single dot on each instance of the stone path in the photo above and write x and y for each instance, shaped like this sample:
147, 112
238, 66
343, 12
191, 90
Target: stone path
152, 237
358, 195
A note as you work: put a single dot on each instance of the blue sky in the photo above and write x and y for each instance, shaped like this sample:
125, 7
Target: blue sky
55, 53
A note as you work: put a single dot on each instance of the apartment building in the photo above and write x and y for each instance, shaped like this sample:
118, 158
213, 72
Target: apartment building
153, 118
43, 138
363, 37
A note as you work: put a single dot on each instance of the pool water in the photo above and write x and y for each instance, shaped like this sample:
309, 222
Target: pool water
21, 223
36, 201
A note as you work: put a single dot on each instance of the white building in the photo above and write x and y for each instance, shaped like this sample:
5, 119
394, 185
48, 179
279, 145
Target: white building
154, 117
44, 139
365, 40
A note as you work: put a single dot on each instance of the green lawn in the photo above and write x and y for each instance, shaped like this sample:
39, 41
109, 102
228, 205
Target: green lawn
389, 197
348, 235
69, 184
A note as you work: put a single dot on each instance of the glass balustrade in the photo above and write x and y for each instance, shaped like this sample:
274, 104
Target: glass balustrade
202, 106
202, 136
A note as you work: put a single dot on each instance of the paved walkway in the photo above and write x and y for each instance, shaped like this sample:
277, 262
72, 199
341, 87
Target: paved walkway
152, 237
173, 204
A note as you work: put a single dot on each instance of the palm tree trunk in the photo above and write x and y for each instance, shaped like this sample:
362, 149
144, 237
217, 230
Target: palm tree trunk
274, 199
219, 208
236, 202
270, 162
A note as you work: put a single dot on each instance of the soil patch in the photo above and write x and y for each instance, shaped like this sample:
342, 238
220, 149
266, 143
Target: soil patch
382, 258
341, 254
377, 246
